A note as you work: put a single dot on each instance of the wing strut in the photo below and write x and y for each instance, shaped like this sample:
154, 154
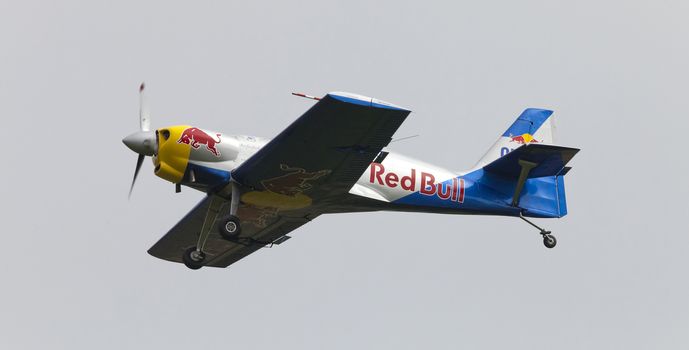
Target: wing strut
194, 258
211, 215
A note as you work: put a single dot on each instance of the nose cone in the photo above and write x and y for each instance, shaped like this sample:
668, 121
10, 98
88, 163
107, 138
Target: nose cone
142, 142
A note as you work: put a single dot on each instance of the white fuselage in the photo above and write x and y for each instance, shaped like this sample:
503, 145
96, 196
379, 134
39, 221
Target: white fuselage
395, 177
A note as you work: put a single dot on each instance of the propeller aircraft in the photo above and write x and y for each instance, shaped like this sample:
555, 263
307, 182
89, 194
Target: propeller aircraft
333, 159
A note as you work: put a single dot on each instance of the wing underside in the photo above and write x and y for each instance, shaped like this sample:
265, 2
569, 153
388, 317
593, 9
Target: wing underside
260, 227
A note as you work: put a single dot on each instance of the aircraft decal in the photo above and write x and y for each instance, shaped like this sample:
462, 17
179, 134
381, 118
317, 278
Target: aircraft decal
196, 137
259, 217
520, 140
523, 139
294, 182
448, 190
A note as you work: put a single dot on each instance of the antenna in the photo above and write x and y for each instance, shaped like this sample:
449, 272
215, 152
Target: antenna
404, 138
306, 96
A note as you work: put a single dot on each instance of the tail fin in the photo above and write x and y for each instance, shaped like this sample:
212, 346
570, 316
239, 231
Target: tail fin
532, 126
527, 168
532, 177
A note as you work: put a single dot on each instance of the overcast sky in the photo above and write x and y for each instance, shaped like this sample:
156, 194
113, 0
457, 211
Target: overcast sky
75, 272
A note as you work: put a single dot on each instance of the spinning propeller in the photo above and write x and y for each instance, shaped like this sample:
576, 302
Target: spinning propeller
142, 142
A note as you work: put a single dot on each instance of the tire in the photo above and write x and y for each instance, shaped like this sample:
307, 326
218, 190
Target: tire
549, 241
190, 262
230, 228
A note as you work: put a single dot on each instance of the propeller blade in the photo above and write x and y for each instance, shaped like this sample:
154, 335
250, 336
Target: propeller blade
144, 115
136, 173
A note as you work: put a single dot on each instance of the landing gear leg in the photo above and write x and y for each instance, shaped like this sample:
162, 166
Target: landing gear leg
230, 228
194, 257
549, 240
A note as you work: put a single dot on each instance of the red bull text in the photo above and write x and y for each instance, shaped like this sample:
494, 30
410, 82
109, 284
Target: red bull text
453, 191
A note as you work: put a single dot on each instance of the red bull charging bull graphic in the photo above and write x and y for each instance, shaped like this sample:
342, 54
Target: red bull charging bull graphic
259, 217
294, 182
523, 139
196, 137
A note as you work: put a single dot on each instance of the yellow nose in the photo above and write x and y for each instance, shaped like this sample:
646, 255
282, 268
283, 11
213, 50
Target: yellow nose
173, 157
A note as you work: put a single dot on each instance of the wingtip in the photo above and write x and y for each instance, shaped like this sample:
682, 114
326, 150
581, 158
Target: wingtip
364, 100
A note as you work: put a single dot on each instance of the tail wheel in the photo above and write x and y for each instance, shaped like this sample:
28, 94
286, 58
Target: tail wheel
230, 228
549, 241
193, 258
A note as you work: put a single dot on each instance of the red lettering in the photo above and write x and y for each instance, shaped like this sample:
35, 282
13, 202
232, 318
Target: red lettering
427, 180
461, 191
377, 174
391, 180
454, 189
409, 182
444, 195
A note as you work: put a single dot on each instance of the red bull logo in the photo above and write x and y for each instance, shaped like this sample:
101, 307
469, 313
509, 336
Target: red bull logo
259, 217
294, 182
452, 190
523, 139
196, 137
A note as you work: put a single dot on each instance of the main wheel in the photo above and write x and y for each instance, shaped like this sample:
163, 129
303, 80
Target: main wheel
549, 241
193, 259
230, 228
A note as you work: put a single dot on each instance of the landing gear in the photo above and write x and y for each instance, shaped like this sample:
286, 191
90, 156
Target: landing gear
193, 258
229, 228
549, 240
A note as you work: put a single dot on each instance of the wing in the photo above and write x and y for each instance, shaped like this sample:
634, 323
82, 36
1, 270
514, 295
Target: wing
260, 227
326, 150
288, 181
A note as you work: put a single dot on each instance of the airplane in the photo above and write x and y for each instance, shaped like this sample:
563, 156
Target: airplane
333, 159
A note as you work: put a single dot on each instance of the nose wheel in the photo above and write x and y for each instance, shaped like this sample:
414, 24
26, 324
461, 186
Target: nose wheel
549, 240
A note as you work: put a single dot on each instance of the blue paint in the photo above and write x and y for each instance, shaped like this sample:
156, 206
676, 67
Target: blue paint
208, 177
367, 103
488, 193
528, 122
561, 195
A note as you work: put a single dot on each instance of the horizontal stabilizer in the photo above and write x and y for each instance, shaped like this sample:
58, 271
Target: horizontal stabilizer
549, 160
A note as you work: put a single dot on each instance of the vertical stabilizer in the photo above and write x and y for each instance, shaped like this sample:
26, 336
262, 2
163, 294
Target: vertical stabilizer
532, 126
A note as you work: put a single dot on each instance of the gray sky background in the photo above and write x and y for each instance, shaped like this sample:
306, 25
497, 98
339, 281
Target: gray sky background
75, 272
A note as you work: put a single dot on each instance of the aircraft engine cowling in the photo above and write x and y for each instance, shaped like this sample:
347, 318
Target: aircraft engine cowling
193, 156
173, 157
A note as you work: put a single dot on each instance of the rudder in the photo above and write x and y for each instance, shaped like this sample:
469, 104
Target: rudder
532, 126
